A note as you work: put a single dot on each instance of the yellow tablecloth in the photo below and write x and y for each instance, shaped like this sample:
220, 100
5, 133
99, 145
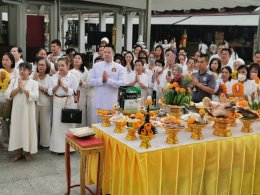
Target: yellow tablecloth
213, 166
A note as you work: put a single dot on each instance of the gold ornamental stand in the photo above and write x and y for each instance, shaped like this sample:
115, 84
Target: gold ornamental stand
222, 127
197, 131
247, 125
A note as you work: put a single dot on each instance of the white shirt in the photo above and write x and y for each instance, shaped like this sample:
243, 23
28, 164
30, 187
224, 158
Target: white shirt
69, 81
81, 76
44, 100
143, 79
105, 95
19, 62
203, 48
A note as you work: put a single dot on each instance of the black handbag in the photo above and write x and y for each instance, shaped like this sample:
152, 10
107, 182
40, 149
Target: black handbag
71, 115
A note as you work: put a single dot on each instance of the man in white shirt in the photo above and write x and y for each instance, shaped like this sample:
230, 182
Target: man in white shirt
107, 76
203, 48
225, 58
56, 53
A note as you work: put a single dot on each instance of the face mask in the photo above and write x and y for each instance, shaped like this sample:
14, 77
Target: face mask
241, 77
151, 61
253, 75
158, 69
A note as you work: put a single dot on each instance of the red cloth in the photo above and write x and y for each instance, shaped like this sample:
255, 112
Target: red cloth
85, 142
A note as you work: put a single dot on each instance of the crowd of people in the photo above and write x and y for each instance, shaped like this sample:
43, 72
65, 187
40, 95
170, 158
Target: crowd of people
38, 91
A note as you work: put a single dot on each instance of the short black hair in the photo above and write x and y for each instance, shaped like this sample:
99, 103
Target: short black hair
110, 46
183, 48
11, 57
204, 56
169, 49
139, 60
138, 46
56, 41
161, 62
48, 67
118, 56
39, 49
26, 65
226, 49
69, 50
257, 52
99, 58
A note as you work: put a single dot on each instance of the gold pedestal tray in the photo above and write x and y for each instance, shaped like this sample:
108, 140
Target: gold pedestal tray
222, 127
131, 133
197, 131
145, 141
105, 120
233, 123
119, 126
176, 111
188, 128
247, 125
172, 137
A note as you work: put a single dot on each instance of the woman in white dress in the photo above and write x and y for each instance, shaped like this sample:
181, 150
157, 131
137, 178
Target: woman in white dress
8, 63
23, 132
226, 78
129, 62
90, 94
81, 72
44, 103
63, 87
243, 77
18, 55
138, 78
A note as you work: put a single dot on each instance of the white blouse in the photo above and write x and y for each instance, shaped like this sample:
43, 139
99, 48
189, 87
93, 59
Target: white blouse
69, 81
44, 100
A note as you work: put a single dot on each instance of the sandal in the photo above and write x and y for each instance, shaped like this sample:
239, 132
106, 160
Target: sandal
17, 157
28, 156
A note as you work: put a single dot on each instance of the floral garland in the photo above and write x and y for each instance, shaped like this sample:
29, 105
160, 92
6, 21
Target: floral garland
224, 88
257, 80
4, 80
238, 89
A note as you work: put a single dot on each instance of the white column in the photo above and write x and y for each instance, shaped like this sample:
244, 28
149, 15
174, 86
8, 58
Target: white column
102, 22
54, 21
64, 28
129, 30
258, 34
118, 24
12, 24
22, 27
141, 24
81, 32
148, 23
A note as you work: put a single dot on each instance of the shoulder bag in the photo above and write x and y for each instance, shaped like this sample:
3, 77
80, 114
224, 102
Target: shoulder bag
71, 115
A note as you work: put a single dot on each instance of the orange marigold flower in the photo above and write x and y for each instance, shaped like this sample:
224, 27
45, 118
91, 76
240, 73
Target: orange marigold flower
176, 84
202, 112
149, 102
182, 90
257, 80
191, 120
238, 89
177, 89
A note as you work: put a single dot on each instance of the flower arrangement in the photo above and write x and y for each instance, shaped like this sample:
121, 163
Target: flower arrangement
177, 91
4, 80
257, 80
147, 129
106, 112
171, 122
234, 75
238, 89
198, 118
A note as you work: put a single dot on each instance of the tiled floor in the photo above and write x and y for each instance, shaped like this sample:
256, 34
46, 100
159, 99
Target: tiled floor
45, 174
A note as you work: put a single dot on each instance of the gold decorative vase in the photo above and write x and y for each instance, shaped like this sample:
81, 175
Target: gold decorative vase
188, 128
175, 111
247, 125
145, 141
172, 137
233, 123
119, 126
197, 131
131, 133
222, 127
106, 121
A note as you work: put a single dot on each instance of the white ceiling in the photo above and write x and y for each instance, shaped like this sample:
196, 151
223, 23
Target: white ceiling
161, 5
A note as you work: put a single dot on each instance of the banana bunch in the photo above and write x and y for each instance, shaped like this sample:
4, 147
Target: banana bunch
178, 98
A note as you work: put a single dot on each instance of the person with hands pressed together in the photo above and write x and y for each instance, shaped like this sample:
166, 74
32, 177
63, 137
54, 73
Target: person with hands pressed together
138, 78
63, 87
204, 81
107, 76
23, 132
44, 103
